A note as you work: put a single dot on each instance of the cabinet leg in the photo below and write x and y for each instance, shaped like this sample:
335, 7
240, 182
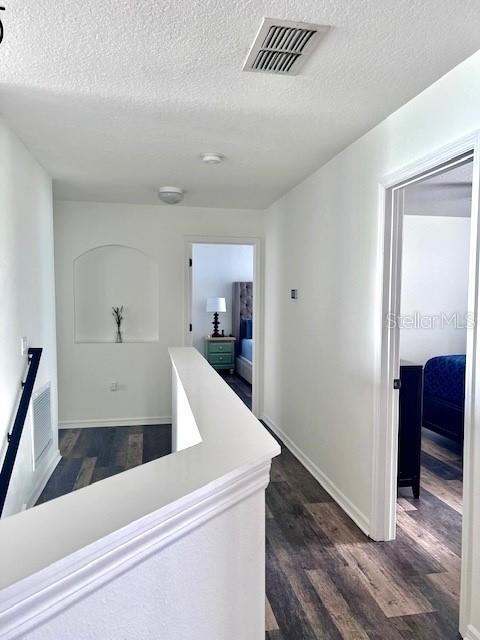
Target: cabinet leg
416, 489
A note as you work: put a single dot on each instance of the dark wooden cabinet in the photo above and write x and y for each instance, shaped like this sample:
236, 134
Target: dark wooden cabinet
410, 426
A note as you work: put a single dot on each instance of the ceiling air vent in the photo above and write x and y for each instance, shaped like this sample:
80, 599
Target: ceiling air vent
282, 46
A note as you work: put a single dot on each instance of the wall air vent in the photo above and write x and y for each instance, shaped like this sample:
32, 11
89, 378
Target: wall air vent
42, 422
283, 47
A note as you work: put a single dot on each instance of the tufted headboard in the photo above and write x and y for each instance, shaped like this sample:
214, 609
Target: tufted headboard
242, 306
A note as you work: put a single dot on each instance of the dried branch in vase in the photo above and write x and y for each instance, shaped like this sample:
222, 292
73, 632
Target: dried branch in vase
117, 313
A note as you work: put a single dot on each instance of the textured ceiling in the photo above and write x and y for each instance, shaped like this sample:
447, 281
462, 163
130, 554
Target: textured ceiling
117, 97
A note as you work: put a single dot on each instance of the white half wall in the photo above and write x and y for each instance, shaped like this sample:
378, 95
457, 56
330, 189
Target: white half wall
322, 238
141, 370
183, 590
215, 268
434, 287
27, 306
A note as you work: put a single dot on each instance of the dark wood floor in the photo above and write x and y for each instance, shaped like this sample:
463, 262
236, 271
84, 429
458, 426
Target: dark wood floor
89, 455
241, 387
326, 579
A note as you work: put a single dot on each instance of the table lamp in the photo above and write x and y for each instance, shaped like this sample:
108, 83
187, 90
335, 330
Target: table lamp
216, 306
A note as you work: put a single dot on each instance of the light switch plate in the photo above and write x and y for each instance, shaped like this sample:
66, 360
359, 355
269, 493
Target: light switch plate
294, 294
23, 346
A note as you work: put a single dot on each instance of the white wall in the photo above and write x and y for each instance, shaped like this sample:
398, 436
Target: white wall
215, 267
108, 277
142, 370
27, 305
206, 584
434, 286
322, 238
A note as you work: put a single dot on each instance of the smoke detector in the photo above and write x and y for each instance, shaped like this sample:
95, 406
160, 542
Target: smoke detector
282, 46
212, 157
171, 195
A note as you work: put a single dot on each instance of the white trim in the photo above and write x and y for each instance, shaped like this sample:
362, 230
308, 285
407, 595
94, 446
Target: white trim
430, 161
29, 603
258, 304
114, 422
385, 450
472, 633
471, 446
49, 468
360, 519
383, 512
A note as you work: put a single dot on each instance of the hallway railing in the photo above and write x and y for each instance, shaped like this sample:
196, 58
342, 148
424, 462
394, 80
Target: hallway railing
34, 355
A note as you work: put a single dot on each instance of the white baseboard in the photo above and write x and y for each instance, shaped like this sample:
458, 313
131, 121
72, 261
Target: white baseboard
350, 509
114, 422
53, 459
472, 633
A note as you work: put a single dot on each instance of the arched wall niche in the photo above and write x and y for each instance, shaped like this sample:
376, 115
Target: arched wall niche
115, 275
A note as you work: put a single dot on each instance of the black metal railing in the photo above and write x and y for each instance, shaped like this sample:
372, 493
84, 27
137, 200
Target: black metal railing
14, 436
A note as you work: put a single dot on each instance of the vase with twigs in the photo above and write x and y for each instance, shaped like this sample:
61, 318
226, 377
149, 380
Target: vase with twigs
117, 313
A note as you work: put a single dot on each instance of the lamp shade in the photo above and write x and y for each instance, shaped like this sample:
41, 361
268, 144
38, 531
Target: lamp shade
216, 305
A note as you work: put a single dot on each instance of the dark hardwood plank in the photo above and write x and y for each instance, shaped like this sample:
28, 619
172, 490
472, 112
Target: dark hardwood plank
441, 469
157, 442
241, 387
337, 606
436, 517
364, 608
299, 479
100, 473
271, 623
288, 612
67, 439
93, 454
62, 479
84, 477
135, 450
295, 529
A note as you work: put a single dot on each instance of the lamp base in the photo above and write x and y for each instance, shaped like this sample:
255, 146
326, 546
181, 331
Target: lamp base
215, 323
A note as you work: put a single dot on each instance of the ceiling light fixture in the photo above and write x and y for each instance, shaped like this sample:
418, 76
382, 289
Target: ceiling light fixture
171, 195
212, 157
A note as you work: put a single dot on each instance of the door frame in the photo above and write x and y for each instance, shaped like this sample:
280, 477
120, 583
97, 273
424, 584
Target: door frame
387, 361
258, 304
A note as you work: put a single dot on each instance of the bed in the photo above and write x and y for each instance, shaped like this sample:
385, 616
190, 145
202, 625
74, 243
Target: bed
242, 328
444, 395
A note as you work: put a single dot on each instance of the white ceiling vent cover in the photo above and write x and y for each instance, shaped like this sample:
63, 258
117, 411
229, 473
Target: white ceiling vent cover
282, 46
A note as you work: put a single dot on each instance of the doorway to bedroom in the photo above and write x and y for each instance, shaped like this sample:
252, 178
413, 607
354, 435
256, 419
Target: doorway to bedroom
427, 373
223, 323
433, 325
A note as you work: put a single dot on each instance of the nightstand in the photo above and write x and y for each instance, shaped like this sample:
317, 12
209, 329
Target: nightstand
220, 353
